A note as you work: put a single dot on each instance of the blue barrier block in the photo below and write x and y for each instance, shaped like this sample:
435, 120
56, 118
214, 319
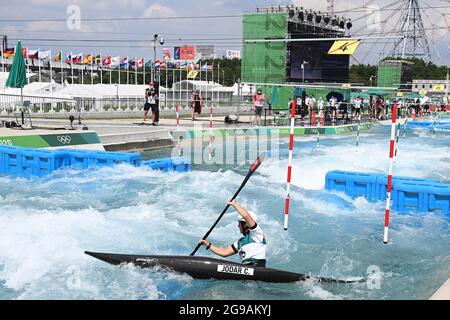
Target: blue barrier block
437, 198
354, 184
102, 159
408, 197
381, 184
41, 162
78, 158
11, 160
181, 164
160, 164
178, 164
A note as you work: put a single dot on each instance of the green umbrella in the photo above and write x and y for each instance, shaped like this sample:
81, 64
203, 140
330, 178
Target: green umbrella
18, 74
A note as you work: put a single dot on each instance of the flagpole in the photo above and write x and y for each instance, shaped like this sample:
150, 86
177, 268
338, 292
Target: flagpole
119, 69
62, 72
39, 67
28, 66
71, 66
92, 70
50, 58
101, 69
128, 71
143, 78
135, 71
218, 82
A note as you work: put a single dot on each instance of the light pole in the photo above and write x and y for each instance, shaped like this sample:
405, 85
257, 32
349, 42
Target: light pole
303, 71
161, 42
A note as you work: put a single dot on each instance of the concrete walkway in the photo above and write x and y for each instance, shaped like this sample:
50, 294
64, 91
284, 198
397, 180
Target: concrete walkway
443, 293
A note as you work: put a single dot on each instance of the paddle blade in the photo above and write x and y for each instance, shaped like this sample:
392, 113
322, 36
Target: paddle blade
258, 162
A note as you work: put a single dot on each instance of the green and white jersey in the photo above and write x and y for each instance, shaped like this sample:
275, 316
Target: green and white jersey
252, 246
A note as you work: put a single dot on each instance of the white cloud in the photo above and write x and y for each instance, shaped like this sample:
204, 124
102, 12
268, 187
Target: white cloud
157, 10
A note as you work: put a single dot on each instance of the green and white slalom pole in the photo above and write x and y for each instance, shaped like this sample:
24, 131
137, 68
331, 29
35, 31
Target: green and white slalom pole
396, 142
405, 125
357, 136
434, 123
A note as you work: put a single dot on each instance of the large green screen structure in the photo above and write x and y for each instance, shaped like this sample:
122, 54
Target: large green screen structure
264, 62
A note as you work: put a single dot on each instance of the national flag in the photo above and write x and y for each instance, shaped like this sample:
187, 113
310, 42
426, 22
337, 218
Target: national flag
162, 65
124, 62
33, 54
157, 64
69, 57
96, 59
183, 65
191, 66
106, 61
176, 53
78, 58
149, 64
115, 61
24, 52
132, 63
206, 67
8, 53
192, 74
87, 59
139, 63
344, 47
58, 56
42, 55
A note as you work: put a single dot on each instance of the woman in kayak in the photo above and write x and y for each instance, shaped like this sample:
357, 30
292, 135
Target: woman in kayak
251, 247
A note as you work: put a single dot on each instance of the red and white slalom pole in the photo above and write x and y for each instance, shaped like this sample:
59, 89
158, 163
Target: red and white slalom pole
210, 131
178, 116
289, 171
389, 182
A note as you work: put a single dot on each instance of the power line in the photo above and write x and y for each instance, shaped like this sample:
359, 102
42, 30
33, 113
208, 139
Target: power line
184, 17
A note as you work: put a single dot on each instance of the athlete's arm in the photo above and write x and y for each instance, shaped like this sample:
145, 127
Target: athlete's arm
243, 213
223, 252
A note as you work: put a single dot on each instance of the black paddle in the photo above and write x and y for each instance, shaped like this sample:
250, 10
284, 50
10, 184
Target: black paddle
253, 168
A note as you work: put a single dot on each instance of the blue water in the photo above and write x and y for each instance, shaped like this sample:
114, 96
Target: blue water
47, 223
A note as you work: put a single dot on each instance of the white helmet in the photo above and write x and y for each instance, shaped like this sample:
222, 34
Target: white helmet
252, 214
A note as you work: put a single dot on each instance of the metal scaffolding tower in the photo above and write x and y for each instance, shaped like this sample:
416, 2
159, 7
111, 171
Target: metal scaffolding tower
413, 40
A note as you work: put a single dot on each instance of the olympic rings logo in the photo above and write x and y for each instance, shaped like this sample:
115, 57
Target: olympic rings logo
64, 139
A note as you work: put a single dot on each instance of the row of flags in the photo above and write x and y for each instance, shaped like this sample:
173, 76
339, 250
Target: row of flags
121, 62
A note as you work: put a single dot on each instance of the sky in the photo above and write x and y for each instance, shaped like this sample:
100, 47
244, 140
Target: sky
128, 37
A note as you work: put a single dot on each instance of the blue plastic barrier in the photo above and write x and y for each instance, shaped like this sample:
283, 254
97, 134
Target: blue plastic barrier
78, 158
437, 198
381, 184
178, 164
11, 160
408, 194
354, 184
102, 159
40, 162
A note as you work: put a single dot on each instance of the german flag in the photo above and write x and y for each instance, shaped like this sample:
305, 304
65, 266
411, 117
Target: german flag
344, 47
8, 53
58, 57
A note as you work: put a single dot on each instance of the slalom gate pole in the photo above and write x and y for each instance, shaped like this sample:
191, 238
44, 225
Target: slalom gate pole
404, 127
180, 147
396, 142
434, 124
357, 137
318, 126
289, 171
178, 116
389, 182
210, 131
